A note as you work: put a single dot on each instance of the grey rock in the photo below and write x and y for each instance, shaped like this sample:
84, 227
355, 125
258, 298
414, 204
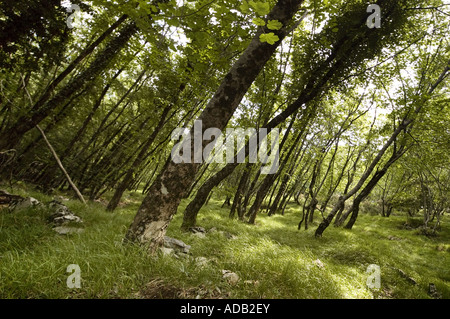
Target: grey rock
432, 291
167, 251
64, 230
318, 263
60, 214
176, 244
25, 203
197, 229
231, 277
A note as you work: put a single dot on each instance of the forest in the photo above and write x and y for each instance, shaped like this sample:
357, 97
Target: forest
223, 149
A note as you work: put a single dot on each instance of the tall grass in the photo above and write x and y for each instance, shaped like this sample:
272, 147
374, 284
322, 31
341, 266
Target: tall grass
272, 258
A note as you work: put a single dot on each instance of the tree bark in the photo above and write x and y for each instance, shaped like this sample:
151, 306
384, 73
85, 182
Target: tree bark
191, 211
12, 135
240, 190
354, 210
137, 162
158, 208
341, 202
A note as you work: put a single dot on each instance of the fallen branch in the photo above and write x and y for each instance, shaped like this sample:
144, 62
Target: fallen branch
80, 196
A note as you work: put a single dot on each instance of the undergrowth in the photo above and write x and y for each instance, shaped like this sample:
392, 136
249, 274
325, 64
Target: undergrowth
272, 258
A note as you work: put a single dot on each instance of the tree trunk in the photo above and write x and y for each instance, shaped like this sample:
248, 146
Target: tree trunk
371, 185
27, 122
240, 190
158, 208
191, 211
341, 202
137, 162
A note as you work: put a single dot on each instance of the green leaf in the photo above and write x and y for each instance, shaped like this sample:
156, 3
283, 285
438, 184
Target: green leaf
259, 21
244, 7
173, 22
335, 29
261, 8
270, 38
274, 25
153, 8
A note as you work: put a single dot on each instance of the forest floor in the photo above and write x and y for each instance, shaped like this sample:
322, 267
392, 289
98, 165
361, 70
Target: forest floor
271, 259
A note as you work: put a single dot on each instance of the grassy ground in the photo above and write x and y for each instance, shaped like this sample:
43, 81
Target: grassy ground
272, 258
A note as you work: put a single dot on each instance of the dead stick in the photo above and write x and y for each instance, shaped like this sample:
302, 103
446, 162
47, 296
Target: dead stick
80, 196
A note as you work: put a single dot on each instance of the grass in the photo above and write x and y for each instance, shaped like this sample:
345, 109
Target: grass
272, 259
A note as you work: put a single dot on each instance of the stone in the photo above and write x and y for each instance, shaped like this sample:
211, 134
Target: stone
61, 199
409, 279
64, 230
199, 235
176, 244
318, 263
231, 277
61, 215
25, 203
201, 261
197, 229
9, 199
166, 251
432, 291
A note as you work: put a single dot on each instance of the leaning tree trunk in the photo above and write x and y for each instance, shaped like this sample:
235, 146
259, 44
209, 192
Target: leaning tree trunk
371, 185
240, 190
191, 211
12, 135
268, 181
341, 201
158, 208
126, 181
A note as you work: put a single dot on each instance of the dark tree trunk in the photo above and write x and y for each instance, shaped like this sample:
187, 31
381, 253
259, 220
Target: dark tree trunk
125, 183
240, 190
341, 202
89, 117
371, 185
158, 208
191, 211
12, 135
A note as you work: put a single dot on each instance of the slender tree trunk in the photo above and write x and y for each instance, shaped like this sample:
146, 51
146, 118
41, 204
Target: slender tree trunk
240, 189
268, 181
12, 135
158, 208
137, 162
191, 211
89, 117
341, 202
354, 210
